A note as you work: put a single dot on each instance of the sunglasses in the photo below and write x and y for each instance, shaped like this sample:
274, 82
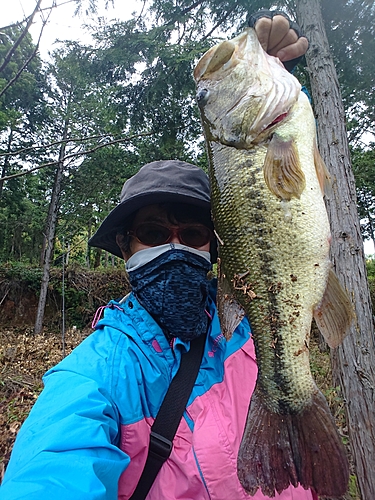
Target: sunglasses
153, 234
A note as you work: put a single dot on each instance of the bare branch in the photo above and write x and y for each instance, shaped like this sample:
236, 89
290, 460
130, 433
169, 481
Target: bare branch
56, 143
220, 21
20, 23
140, 16
20, 38
74, 155
19, 72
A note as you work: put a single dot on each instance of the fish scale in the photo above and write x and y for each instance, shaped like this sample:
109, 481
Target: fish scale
267, 181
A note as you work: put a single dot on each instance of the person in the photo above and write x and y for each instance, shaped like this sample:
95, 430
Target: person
87, 435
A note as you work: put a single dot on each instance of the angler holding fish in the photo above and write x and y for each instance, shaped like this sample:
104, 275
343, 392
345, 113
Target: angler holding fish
107, 404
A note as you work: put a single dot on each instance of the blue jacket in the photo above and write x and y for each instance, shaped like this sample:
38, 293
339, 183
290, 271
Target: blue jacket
87, 435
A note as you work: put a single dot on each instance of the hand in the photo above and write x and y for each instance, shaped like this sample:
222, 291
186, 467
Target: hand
279, 36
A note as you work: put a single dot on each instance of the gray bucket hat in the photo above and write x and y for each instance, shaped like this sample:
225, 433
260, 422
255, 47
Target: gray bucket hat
157, 182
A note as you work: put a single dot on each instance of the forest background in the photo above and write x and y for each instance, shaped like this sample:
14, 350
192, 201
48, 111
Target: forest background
104, 109
76, 124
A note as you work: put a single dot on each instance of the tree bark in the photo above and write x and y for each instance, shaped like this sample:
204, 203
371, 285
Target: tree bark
88, 248
50, 234
67, 255
4, 170
354, 361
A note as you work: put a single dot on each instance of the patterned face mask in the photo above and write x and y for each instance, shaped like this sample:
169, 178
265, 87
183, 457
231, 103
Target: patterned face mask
173, 288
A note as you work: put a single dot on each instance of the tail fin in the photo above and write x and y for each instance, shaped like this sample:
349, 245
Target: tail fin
281, 450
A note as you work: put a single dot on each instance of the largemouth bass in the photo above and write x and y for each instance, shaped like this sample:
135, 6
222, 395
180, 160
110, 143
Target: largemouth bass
268, 181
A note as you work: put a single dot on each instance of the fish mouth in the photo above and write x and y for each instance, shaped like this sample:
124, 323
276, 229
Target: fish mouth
277, 120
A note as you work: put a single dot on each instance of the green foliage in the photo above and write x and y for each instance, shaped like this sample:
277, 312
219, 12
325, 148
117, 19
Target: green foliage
353, 488
22, 214
22, 276
370, 266
133, 93
351, 33
22, 101
363, 161
22, 110
129, 99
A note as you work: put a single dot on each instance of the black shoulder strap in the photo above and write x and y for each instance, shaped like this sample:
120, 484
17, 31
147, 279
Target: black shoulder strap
169, 416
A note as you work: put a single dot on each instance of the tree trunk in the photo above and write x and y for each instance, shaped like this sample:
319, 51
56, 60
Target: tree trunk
4, 170
67, 255
50, 234
88, 248
354, 361
97, 257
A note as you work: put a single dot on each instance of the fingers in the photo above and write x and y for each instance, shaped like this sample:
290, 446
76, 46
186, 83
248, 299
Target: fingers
294, 50
279, 30
263, 29
274, 34
289, 39
278, 35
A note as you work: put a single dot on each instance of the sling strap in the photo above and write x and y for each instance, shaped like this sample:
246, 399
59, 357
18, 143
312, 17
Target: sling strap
169, 416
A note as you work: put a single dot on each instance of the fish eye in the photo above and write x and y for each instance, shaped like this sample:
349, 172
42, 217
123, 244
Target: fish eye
202, 96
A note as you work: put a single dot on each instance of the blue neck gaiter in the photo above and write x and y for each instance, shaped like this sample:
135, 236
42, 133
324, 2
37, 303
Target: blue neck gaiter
173, 288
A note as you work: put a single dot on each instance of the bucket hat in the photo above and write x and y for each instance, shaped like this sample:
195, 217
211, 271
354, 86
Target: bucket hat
165, 181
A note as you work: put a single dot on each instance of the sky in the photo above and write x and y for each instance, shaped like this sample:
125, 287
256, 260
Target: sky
62, 23
369, 248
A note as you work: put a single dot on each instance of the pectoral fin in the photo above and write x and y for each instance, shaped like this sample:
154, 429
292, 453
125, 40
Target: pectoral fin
282, 170
335, 313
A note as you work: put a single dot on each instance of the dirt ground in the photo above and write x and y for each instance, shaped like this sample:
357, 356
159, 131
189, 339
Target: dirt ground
25, 357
